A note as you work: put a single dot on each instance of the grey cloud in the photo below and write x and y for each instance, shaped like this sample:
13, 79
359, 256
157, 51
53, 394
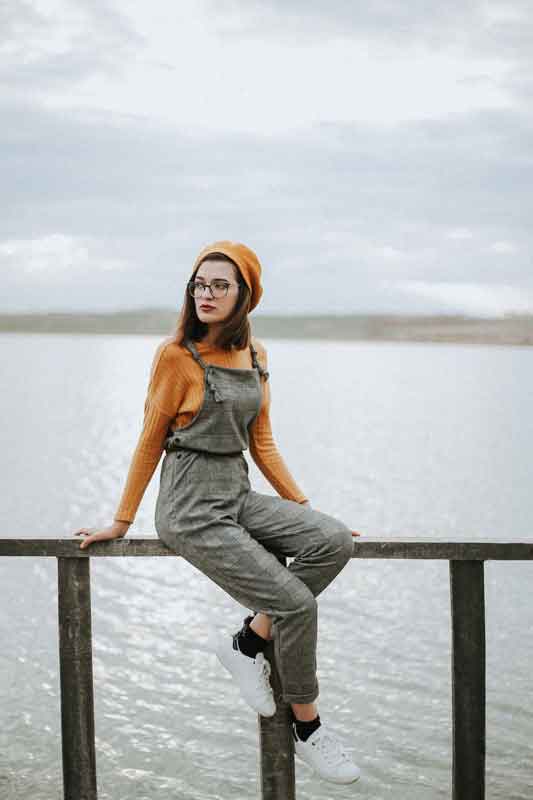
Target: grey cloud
99, 44
477, 28
149, 196
341, 199
18, 20
380, 19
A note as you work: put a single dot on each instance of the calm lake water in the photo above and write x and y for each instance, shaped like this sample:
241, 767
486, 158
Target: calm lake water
398, 439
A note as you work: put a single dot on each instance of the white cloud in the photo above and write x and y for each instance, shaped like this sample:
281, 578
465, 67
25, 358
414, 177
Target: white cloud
503, 248
472, 298
52, 256
460, 234
390, 253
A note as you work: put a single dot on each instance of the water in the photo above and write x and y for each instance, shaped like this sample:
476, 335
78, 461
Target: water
396, 439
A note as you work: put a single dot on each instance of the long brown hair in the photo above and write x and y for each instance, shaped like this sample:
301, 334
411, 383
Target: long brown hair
236, 331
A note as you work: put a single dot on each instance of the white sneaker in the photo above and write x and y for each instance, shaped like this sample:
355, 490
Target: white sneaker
326, 754
251, 674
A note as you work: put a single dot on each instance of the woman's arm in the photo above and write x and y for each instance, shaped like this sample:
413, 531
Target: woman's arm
160, 407
263, 448
144, 461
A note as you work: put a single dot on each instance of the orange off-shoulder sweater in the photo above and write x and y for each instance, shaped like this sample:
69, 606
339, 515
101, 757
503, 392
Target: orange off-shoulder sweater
174, 397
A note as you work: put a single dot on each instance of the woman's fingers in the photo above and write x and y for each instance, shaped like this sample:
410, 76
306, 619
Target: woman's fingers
90, 538
90, 534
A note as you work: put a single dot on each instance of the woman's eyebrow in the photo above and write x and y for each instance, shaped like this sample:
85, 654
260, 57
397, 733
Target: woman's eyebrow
215, 279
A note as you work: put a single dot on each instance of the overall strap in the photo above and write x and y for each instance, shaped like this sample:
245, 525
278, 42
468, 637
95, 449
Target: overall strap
189, 344
256, 363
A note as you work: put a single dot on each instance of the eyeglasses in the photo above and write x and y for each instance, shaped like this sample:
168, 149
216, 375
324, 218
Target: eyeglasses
217, 288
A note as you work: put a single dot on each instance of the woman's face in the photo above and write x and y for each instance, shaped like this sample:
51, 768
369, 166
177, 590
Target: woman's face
220, 308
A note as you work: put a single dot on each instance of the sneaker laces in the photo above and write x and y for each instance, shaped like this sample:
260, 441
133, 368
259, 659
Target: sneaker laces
263, 673
331, 748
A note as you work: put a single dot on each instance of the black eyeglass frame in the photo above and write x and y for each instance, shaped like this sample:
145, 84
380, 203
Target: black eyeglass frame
191, 285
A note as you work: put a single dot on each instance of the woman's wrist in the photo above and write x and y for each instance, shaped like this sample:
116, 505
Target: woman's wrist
121, 526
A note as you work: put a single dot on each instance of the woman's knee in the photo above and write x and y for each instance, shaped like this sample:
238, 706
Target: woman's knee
331, 537
309, 605
340, 540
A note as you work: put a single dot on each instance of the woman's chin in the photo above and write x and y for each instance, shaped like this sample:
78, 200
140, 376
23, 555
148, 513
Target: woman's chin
207, 317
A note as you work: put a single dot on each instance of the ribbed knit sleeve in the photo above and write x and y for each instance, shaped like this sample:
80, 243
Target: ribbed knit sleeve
263, 448
163, 388
159, 410
144, 461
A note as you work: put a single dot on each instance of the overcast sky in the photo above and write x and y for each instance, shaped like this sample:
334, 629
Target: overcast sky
376, 156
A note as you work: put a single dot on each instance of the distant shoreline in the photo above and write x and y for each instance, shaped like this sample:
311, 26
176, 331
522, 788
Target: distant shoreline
508, 330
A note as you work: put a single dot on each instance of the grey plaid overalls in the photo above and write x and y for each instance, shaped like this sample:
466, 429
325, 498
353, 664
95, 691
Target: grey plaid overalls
207, 512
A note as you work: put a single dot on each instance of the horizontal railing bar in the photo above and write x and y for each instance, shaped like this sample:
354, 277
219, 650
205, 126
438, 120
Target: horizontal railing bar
486, 549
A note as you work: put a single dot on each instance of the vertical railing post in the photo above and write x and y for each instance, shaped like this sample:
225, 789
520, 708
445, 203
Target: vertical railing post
76, 678
276, 746
468, 679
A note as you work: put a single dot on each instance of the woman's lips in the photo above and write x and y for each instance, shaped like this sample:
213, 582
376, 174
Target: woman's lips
208, 308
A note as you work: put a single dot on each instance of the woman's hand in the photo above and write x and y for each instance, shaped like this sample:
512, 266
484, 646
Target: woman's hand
115, 531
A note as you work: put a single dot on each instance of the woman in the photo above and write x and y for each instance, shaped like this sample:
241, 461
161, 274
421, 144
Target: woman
208, 400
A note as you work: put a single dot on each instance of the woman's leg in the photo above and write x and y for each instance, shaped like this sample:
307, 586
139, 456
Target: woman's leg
225, 552
320, 545
262, 625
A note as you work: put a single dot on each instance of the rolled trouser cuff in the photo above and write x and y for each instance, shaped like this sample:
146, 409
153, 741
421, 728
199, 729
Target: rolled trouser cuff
308, 697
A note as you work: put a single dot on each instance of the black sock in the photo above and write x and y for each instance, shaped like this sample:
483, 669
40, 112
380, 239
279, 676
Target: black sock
248, 641
303, 730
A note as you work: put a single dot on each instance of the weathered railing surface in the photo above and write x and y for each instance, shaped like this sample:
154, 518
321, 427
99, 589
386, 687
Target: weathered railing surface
467, 596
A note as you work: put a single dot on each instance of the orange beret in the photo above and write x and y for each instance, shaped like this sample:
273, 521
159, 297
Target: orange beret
245, 259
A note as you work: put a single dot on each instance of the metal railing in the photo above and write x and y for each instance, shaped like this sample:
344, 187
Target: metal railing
277, 777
